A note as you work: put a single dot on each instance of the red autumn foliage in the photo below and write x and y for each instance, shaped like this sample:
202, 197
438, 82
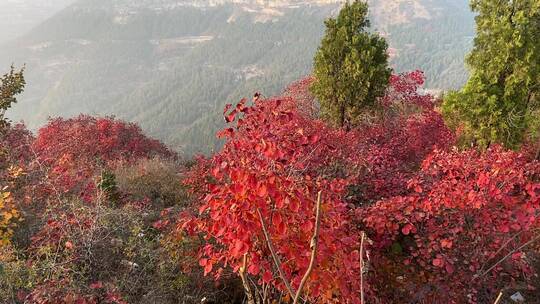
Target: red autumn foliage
383, 154
278, 156
75, 150
15, 141
464, 212
303, 99
272, 163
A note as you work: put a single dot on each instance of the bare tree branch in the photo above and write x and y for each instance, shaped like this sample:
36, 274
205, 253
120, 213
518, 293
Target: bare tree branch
274, 255
509, 254
498, 298
314, 246
245, 282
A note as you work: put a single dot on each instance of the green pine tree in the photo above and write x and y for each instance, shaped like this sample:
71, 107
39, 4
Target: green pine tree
351, 66
499, 103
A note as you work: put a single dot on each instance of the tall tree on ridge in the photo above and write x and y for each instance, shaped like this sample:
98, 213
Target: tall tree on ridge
500, 102
351, 66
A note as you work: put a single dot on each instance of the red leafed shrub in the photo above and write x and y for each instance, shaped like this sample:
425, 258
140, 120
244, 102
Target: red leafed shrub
303, 98
458, 235
390, 149
278, 156
273, 164
14, 146
75, 149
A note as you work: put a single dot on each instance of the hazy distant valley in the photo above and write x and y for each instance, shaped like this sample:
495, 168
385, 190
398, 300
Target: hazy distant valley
172, 65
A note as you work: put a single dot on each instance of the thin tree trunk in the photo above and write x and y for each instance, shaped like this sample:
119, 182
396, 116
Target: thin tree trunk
245, 282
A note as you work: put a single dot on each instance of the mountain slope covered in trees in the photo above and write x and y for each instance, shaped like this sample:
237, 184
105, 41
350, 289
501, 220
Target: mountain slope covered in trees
170, 65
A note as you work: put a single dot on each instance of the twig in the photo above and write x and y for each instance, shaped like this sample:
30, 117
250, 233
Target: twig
245, 281
362, 268
509, 254
498, 298
274, 256
314, 246
501, 248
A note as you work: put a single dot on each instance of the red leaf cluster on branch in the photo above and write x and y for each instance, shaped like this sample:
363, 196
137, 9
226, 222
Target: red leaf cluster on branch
465, 211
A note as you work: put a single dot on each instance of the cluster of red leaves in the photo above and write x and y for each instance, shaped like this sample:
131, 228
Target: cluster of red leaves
273, 164
404, 89
303, 98
278, 156
14, 146
75, 150
60, 232
465, 211
391, 149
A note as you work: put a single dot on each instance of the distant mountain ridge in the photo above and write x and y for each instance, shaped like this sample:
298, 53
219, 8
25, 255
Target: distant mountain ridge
19, 16
171, 65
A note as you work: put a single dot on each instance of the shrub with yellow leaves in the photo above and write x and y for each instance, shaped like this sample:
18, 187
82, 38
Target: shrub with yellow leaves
8, 216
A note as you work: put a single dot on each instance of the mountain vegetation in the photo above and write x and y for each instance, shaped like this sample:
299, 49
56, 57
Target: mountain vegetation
170, 65
499, 103
350, 58
398, 207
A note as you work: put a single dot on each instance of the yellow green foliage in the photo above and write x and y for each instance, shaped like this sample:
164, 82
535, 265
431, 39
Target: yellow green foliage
8, 217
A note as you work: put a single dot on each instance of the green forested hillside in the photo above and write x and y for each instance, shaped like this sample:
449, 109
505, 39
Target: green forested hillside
172, 69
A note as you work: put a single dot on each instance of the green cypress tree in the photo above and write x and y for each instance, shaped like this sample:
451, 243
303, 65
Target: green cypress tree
499, 103
351, 66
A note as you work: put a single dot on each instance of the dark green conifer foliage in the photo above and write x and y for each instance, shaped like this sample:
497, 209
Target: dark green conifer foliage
351, 66
499, 103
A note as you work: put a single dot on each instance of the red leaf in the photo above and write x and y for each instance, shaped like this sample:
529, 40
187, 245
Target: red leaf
254, 269
262, 191
231, 116
295, 205
313, 139
267, 277
280, 203
239, 248
406, 230
307, 226
207, 269
69, 245
203, 262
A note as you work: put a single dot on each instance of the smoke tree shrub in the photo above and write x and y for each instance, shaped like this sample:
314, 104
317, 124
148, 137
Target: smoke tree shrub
76, 150
278, 155
461, 231
273, 165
